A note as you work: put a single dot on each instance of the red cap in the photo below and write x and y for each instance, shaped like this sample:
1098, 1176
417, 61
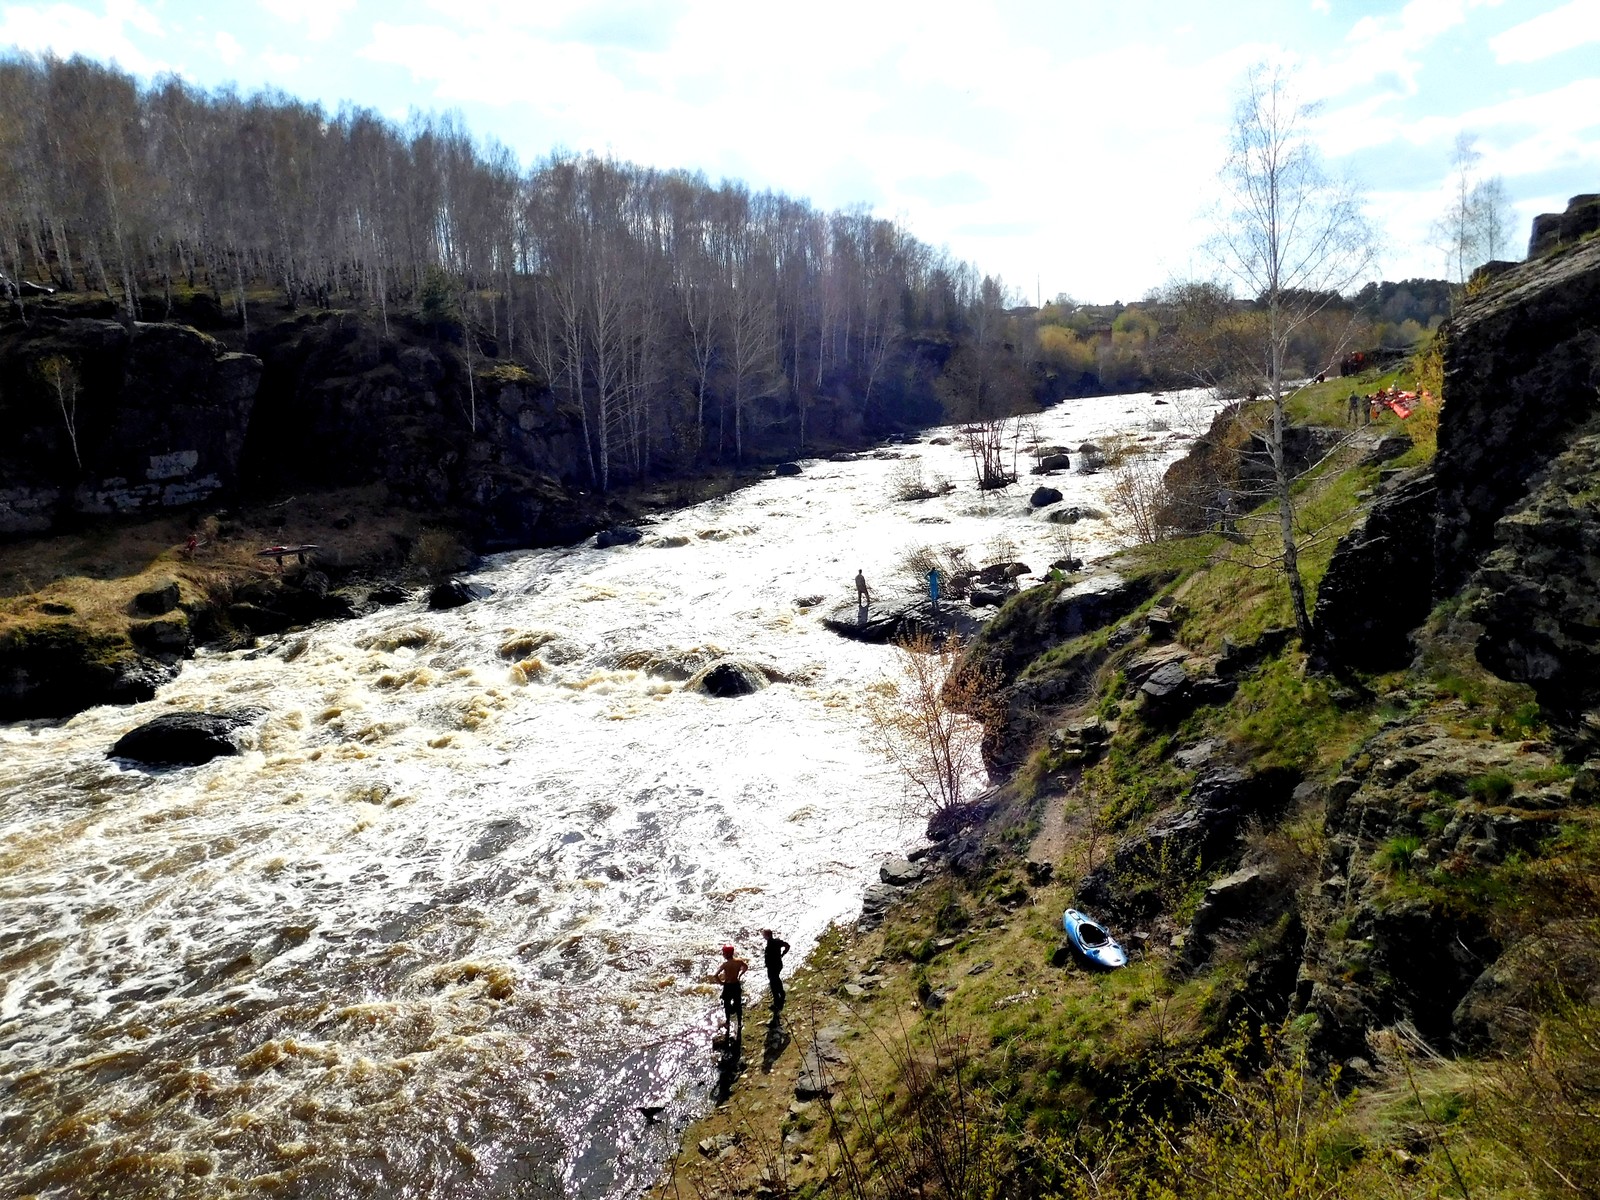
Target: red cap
727, 949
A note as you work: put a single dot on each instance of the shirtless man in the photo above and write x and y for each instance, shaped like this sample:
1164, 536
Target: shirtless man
728, 974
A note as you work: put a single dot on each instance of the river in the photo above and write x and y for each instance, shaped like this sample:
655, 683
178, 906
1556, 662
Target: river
439, 929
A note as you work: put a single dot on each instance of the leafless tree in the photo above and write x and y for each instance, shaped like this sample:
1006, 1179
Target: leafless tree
1295, 239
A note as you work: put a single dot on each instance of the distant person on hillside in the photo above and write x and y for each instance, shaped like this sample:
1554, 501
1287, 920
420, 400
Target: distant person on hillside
775, 950
863, 593
1355, 408
729, 974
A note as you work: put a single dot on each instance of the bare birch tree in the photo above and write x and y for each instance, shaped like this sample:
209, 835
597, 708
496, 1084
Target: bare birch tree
1295, 239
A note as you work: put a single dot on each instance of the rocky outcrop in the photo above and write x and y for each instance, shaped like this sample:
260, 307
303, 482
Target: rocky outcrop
879, 623
1551, 231
1044, 616
1379, 583
1540, 589
1522, 373
1184, 844
107, 418
185, 739
57, 668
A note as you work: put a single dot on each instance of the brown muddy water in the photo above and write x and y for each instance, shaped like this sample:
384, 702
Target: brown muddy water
439, 930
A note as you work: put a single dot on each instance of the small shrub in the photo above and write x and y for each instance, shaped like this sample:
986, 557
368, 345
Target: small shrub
1495, 787
1398, 852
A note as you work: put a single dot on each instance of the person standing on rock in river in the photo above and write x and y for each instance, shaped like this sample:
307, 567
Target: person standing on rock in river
729, 974
863, 593
775, 950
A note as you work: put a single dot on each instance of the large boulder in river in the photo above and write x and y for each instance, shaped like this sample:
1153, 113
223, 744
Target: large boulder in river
728, 677
617, 535
185, 739
453, 593
788, 468
1043, 496
879, 623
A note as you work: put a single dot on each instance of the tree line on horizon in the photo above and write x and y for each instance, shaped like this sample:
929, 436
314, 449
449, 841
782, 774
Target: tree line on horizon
684, 321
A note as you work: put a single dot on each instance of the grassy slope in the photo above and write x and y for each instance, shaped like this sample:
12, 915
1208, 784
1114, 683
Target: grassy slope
1049, 1060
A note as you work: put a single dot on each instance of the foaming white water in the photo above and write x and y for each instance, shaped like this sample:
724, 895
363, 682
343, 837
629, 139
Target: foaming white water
443, 924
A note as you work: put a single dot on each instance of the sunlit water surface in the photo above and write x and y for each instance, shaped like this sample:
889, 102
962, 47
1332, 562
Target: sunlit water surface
439, 931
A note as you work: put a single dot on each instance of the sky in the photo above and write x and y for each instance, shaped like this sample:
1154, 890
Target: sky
1069, 146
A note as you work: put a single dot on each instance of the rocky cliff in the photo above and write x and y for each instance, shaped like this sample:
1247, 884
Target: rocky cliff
104, 417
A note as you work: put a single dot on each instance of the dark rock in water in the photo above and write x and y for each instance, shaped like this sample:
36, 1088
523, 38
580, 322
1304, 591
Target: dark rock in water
980, 597
878, 623
1053, 462
617, 535
252, 618
1068, 565
164, 636
453, 593
1043, 496
727, 677
1379, 583
900, 872
1002, 572
185, 739
157, 600
388, 594
788, 468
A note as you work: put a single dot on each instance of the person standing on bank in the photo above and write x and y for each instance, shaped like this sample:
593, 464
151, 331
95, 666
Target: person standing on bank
775, 950
863, 593
729, 974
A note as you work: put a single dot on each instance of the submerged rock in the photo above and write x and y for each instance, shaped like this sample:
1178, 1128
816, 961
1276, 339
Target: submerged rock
453, 593
185, 739
617, 535
728, 677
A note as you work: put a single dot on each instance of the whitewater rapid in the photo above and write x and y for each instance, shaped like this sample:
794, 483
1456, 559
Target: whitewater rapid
440, 929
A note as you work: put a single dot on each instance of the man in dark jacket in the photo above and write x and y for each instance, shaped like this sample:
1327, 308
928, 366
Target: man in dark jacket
775, 950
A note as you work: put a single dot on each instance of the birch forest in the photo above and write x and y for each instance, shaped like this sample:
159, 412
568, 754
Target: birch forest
689, 321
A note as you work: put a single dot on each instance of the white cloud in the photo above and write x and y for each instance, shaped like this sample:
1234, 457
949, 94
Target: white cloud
279, 65
319, 19
66, 29
228, 48
1571, 25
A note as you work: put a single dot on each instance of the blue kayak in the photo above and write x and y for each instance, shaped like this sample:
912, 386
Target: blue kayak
1092, 941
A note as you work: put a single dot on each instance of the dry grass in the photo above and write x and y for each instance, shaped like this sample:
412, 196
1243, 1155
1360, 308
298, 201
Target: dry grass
98, 571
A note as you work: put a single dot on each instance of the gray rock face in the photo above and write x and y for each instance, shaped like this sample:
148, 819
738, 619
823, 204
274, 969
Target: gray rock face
162, 598
900, 872
185, 738
1520, 373
1205, 831
165, 636
1540, 590
1551, 230
1379, 583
